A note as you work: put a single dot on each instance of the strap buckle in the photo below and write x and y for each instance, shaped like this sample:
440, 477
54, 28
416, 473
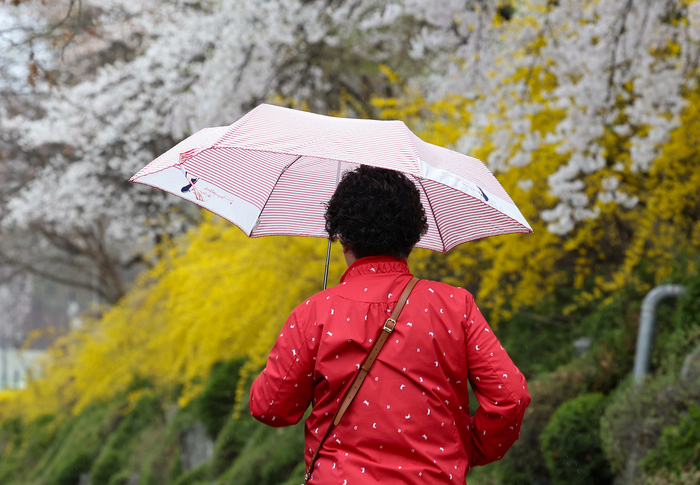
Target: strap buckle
388, 328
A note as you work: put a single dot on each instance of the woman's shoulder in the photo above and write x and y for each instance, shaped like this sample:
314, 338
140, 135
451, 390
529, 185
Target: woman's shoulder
312, 303
443, 289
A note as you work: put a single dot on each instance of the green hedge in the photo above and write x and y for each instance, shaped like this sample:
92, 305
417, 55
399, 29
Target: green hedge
571, 443
117, 451
215, 403
70, 473
109, 463
678, 450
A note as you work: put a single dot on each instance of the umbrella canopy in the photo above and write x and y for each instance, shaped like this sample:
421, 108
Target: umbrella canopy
272, 171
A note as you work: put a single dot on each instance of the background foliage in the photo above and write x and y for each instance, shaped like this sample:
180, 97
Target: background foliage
587, 112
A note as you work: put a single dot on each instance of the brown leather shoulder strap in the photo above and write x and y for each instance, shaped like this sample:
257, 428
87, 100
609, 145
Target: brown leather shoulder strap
364, 370
383, 335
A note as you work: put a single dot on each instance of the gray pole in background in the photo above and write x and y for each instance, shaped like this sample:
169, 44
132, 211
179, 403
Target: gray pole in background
647, 321
642, 363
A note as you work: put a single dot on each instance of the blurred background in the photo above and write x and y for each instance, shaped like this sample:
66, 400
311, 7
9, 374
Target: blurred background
132, 324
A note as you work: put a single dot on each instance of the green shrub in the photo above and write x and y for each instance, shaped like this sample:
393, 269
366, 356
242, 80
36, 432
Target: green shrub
297, 475
679, 333
613, 328
635, 419
486, 475
122, 441
288, 454
232, 439
108, 464
689, 304
82, 435
10, 446
10, 434
218, 397
70, 473
175, 467
524, 463
571, 443
679, 447
152, 454
9, 466
534, 349
165, 466
145, 411
194, 475
38, 436
119, 479
269, 457
665, 477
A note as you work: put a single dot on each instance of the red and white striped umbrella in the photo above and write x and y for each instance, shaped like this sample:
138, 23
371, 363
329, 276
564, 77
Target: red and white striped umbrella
272, 171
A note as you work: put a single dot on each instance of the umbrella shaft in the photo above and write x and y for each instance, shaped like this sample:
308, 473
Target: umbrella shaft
328, 260
328, 252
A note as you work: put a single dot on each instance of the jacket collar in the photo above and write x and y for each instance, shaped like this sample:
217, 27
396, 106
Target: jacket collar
376, 265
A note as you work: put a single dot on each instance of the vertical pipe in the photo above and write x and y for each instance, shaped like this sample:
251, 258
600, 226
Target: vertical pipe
642, 362
647, 321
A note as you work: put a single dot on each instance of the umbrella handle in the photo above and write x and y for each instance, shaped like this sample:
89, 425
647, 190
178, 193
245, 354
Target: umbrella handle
328, 260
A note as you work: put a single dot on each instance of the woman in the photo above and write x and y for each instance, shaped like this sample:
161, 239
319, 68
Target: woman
409, 422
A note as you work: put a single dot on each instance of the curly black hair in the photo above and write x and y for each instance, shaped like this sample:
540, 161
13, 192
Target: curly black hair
375, 211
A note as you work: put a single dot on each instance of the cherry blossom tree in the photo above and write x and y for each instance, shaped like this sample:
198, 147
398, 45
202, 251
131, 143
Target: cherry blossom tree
114, 84
178, 67
15, 307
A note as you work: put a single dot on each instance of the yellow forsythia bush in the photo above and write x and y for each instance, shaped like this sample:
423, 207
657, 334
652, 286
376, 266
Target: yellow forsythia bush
599, 257
215, 295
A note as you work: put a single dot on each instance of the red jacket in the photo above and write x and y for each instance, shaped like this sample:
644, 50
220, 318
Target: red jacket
410, 421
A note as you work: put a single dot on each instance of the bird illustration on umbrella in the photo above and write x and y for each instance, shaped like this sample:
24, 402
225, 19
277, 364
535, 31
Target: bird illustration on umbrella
190, 186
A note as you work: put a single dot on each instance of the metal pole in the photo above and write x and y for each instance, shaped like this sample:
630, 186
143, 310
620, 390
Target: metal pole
328, 251
642, 362
647, 321
328, 260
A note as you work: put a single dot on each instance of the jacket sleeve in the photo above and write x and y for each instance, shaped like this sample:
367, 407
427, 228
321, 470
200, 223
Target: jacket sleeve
283, 390
500, 389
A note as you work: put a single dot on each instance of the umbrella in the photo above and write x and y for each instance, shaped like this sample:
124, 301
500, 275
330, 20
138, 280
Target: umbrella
272, 171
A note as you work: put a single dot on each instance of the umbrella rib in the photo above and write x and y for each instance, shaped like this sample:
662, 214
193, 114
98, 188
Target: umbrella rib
276, 182
427, 197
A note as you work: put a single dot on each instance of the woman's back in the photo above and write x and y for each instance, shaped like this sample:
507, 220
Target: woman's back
409, 422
